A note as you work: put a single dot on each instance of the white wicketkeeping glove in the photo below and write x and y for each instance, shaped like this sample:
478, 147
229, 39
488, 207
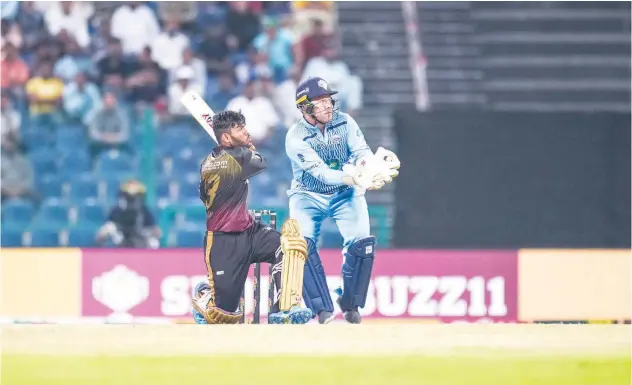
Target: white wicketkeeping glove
390, 159
359, 175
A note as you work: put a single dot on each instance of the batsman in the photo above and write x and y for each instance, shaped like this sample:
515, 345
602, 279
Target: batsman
332, 168
233, 240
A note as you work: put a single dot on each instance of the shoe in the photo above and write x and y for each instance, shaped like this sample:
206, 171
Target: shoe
299, 316
350, 315
278, 318
325, 317
197, 316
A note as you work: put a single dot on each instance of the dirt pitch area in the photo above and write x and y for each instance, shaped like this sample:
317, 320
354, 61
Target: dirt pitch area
333, 339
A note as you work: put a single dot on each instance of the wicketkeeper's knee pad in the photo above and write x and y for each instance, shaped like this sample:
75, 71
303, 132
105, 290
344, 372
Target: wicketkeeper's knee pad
356, 273
315, 290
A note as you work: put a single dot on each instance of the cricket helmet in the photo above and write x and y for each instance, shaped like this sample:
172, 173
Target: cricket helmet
311, 89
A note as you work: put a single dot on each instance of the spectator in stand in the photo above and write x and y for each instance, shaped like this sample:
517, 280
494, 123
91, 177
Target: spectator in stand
99, 41
284, 99
45, 94
31, 24
242, 25
10, 119
48, 49
314, 43
255, 66
14, 73
108, 127
136, 26
114, 68
70, 18
11, 34
184, 77
189, 60
75, 60
337, 74
168, 47
219, 100
81, 99
214, 49
16, 173
277, 45
258, 110
147, 82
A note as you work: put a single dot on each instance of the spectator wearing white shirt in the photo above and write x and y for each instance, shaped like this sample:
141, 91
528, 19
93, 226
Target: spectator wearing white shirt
188, 59
135, 24
183, 83
168, 47
337, 73
258, 110
70, 18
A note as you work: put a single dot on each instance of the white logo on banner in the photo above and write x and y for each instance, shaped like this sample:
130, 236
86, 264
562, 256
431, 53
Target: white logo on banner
120, 289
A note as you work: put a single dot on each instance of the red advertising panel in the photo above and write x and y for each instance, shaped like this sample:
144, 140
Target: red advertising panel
449, 286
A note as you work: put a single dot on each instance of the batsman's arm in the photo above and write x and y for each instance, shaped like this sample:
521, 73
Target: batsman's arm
252, 163
308, 160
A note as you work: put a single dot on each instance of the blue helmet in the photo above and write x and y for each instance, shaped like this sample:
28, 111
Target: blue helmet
309, 90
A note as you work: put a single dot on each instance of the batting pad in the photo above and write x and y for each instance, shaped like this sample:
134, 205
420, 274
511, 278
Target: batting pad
315, 290
294, 249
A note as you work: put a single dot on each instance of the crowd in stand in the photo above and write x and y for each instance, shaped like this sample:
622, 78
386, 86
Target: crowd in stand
99, 65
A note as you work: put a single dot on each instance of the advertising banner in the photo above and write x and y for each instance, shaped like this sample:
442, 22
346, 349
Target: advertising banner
445, 286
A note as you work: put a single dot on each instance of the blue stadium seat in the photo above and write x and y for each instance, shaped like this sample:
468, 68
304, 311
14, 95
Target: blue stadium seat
17, 213
69, 138
82, 236
11, 237
49, 185
187, 163
77, 161
115, 161
90, 213
189, 238
43, 161
53, 213
82, 187
44, 237
163, 189
189, 188
173, 139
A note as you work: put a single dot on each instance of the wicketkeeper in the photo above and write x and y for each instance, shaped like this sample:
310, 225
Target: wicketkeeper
234, 241
333, 167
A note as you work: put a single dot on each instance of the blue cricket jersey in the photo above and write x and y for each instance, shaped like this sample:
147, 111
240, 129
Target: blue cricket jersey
317, 158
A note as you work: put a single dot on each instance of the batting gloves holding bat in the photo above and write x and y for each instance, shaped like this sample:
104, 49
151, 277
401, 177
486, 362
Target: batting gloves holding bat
373, 172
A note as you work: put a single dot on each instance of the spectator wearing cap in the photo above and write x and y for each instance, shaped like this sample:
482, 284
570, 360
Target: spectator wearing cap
108, 127
242, 25
81, 99
168, 47
330, 67
189, 59
136, 25
15, 72
261, 117
278, 46
69, 18
184, 77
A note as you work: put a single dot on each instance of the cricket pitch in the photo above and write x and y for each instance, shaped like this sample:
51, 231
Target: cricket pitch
468, 354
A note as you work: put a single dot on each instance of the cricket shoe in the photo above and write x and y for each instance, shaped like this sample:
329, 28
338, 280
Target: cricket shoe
197, 316
299, 315
278, 318
351, 315
325, 317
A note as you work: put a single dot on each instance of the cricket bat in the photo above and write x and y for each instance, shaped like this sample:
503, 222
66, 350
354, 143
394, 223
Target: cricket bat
200, 111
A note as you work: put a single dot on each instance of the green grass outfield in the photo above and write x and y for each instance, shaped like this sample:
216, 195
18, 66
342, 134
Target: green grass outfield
306, 370
315, 354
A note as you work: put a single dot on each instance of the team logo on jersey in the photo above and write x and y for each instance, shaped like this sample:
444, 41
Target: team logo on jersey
333, 164
336, 139
323, 84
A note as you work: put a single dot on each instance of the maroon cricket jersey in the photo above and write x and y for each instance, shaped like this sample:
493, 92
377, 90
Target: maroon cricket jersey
224, 187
